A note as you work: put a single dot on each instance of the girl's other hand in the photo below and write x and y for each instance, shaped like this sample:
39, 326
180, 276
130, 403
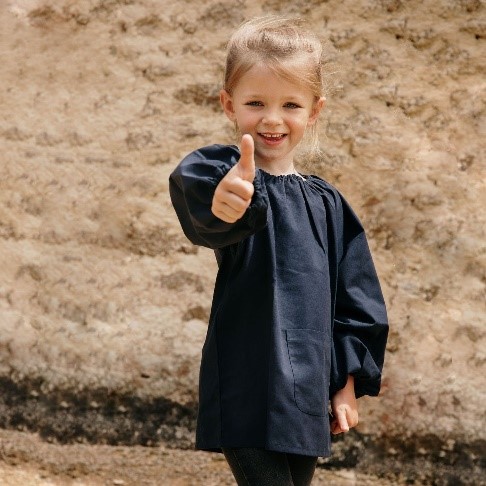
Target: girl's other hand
234, 192
344, 408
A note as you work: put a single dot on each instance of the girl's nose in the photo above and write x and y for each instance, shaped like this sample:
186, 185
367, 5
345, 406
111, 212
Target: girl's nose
271, 117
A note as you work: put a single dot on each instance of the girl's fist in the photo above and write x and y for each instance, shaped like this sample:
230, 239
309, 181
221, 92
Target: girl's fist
234, 192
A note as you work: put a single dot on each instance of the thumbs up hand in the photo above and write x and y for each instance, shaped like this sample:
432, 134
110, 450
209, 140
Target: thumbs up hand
233, 194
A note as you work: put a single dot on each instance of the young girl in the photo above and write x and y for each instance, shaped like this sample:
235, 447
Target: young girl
298, 317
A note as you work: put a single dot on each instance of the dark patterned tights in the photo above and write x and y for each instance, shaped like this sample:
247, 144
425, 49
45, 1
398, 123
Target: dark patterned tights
259, 467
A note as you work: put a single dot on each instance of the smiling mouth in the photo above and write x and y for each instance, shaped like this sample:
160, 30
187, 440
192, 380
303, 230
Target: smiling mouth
273, 136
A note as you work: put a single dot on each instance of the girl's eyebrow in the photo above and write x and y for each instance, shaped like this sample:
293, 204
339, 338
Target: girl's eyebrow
287, 98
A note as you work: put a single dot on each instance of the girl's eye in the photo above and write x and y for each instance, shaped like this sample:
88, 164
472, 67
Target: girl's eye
254, 103
291, 105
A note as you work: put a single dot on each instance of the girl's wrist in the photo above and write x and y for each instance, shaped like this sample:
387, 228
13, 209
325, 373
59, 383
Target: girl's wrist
350, 383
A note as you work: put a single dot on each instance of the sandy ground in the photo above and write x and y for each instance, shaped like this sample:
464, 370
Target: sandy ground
25, 460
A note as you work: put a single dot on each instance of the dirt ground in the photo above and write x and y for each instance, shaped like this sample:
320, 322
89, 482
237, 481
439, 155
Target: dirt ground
26, 460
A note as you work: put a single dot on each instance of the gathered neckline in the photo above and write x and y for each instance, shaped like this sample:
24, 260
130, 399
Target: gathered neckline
298, 176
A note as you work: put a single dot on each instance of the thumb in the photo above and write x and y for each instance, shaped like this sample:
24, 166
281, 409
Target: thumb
246, 163
342, 419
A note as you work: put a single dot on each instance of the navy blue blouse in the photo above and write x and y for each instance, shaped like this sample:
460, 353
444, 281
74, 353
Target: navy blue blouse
297, 306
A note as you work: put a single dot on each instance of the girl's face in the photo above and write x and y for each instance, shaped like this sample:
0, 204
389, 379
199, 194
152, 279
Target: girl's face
274, 111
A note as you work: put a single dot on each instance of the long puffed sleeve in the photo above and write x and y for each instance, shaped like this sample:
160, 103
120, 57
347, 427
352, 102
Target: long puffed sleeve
192, 185
360, 321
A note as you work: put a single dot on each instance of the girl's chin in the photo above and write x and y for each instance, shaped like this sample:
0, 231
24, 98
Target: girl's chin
270, 149
266, 158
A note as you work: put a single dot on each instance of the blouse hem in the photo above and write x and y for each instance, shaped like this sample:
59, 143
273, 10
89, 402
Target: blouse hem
274, 448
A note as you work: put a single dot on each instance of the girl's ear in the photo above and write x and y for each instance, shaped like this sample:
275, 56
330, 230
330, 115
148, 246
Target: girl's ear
227, 104
316, 110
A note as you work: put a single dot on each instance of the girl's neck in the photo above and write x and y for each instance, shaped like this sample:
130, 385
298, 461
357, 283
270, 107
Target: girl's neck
283, 167
274, 173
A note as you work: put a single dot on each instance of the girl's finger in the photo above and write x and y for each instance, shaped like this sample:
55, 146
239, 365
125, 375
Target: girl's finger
335, 429
342, 419
247, 159
235, 202
224, 217
223, 212
227, 210
240, 187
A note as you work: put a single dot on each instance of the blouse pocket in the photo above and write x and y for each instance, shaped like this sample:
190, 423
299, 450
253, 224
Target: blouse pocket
310, 369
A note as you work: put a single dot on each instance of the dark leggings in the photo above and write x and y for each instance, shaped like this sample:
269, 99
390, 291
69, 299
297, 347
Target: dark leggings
259, 467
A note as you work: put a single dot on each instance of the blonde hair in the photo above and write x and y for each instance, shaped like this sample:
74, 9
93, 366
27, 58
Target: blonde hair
286, 47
